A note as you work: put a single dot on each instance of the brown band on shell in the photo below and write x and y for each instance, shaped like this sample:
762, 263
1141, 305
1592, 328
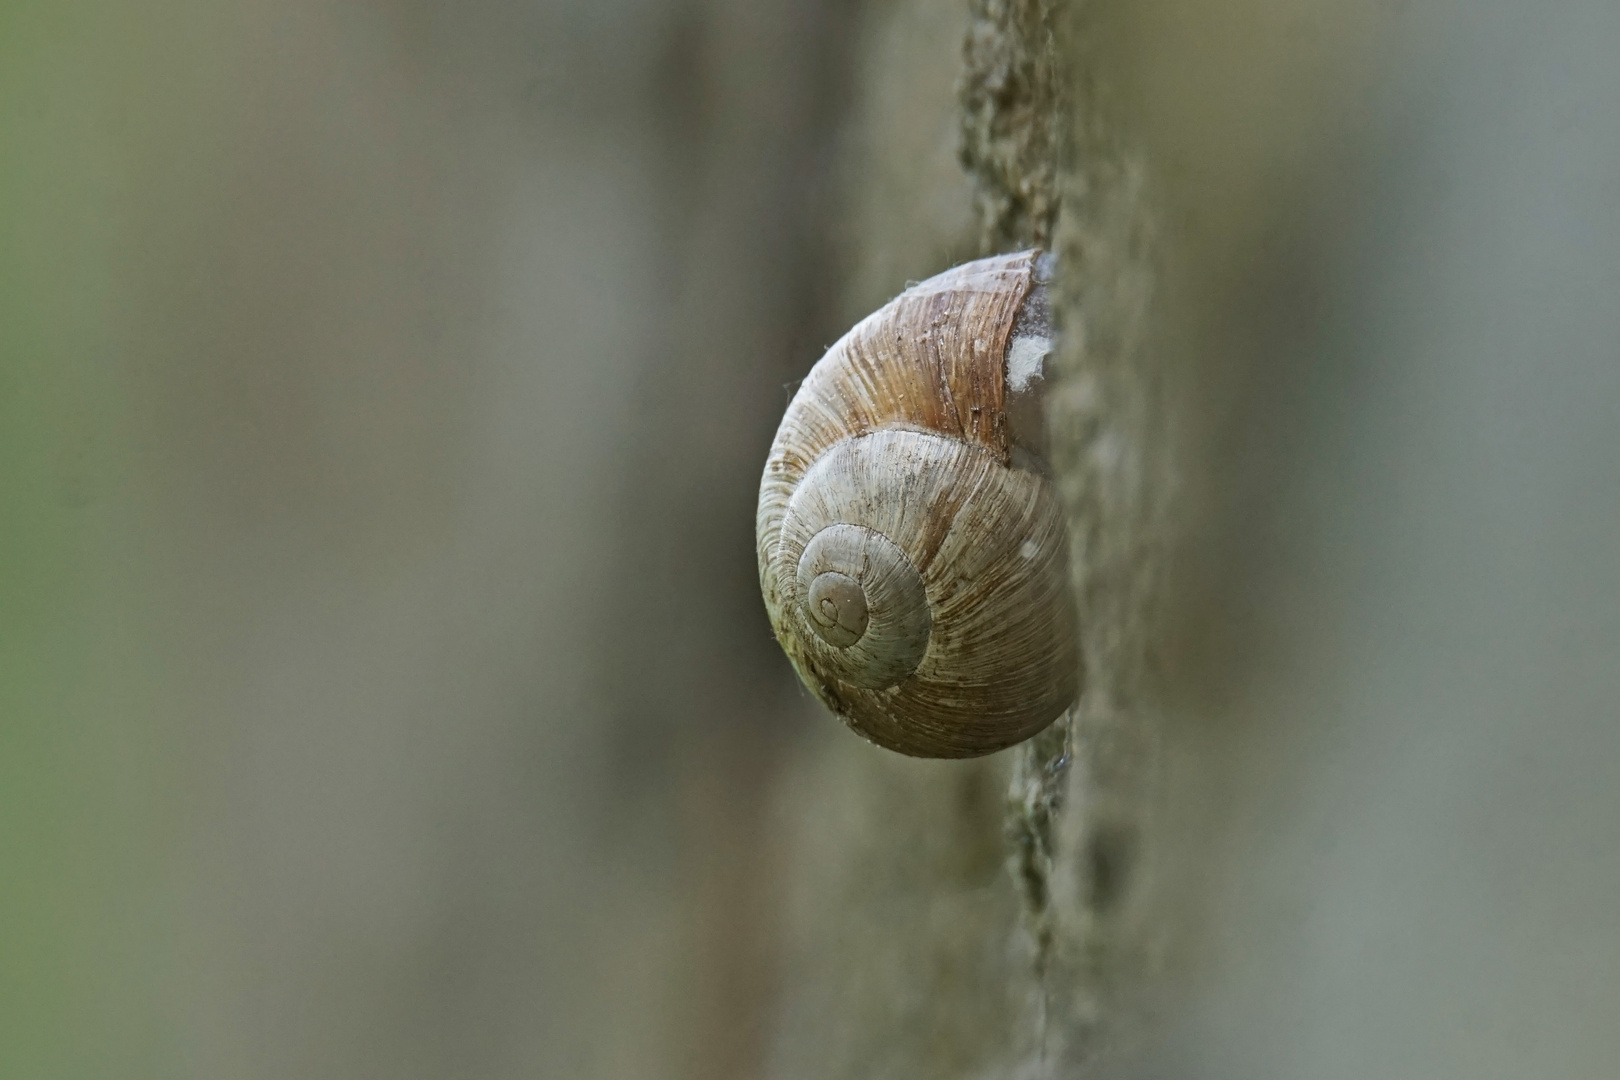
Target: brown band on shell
932, 359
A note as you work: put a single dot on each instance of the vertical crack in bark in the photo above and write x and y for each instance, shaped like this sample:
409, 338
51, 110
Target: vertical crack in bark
1034, 798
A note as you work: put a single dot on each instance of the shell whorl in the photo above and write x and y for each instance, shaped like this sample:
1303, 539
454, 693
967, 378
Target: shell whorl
913, 560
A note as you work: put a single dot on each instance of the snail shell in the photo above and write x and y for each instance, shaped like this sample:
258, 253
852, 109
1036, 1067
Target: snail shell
912, 549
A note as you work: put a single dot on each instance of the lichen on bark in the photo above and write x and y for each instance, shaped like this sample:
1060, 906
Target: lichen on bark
1012, 95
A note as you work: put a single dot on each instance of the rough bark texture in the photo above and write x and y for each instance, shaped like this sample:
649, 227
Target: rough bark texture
1078, 800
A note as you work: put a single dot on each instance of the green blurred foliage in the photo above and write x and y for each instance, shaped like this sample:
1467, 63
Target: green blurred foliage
82, 834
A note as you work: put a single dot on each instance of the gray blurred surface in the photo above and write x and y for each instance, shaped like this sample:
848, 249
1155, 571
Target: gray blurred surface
1403, 766
428, 356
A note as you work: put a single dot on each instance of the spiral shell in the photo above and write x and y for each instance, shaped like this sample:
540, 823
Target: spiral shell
912, 550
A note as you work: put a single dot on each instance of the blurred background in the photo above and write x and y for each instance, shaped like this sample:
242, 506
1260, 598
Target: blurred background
384, 687
385, 386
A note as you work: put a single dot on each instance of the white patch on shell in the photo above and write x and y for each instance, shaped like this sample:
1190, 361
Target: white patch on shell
1026, 362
